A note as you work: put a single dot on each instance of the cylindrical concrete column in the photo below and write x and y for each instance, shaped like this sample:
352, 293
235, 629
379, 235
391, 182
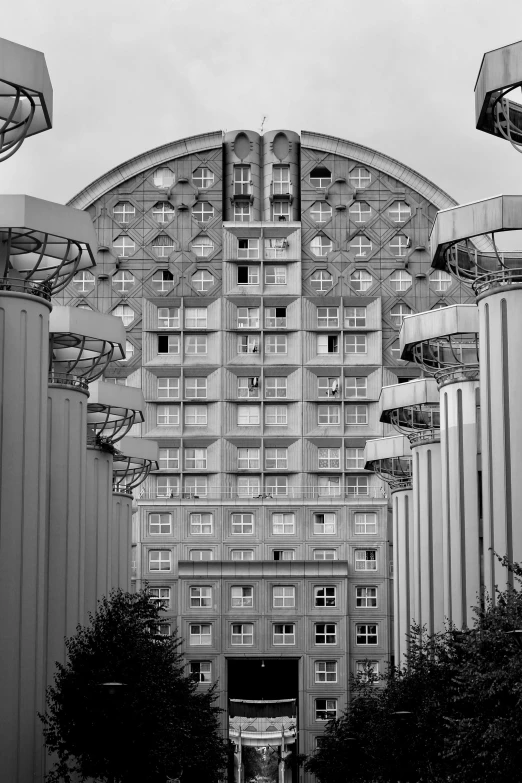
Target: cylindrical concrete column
121, 528
24, 350
403, 570
98, 531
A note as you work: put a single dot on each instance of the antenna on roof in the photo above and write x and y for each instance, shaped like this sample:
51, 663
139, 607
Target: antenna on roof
262, 125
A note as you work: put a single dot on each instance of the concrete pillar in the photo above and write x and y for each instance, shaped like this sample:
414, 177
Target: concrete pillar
121, 528
403, 570
24, 351
98, 533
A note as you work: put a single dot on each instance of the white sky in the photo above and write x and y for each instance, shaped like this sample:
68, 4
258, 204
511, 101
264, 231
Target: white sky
395, 75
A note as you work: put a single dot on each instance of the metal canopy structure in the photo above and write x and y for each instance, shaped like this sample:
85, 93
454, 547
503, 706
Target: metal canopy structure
83, 343
132, 463
112, 410
500, 74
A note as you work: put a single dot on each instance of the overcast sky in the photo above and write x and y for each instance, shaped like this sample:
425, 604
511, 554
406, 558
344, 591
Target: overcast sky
395, 75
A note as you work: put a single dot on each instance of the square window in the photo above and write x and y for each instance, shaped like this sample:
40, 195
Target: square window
168, 318
276, 343
248, 317
329, 458
201, 671
355, 459
281, 210
248, 248
325, 671
242, 633
242, 597
168, 388
163, 629
357, 485
325, 596
160, 524
355, 343
328, 386
276, 415
248, 387
160, 596
328, 414
196, 414
195, 486
195, 344
248, 275
325, 524
275, 317
357, 414
168, 459
276, 387
365, 524
248, 486
284, 554
283, 597
242, 554
242, 524
283, 524
167, 486
248, 343
354, 317
366, 597
248, 459
200, 524
328, 486
160, 560
195, 459
276, 458
328, 317
248, 414
325, 554
195, 317
275, 275
195, 387
200, 597
283, 633
242, 212
276, 485
325, 709
327, 343
367, 670
201, 554
326, 633
200, 634
365, 560
356, 387
366, 634
168, 343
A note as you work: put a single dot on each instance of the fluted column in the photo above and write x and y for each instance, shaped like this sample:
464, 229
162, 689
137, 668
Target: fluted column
98, 532
403, 570
121, 527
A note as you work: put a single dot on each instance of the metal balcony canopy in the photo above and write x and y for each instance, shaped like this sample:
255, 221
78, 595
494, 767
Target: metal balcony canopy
420, 391
500, 72
422, 327
83, 343
393, 447
113, 409
138, 449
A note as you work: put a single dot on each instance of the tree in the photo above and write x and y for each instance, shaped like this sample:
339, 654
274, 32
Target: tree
155, 724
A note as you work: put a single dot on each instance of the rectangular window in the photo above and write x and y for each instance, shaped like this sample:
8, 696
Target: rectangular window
365, 524
325, 554
366, 597
196, 387
328, 486
275, 248
355, 459
327, 343
325, 524
248, 248
242, 524
168, 318
328, 387
326, 633
325, 671
163, 629
160, 560
248, 317
327, 317
329, 458
276, 458
243, 633
325, 709
242, 597
284, 554
366, 634
200, 634
242, 212
276, 387
328, 414
280, 180
248, 486
248, 414
168, 343
283, 524
242, 554
356, 387
160, 524
281, 210
367, 669
167, 486
283, 597
357, 485
365, 560
196, 414
248, 343
200, 597
200, 524
276, 414
355, 343
357, 414
167, 414
195, 459
248, 459
201, 554
275, 275
196, 318
248, 387
276, 343
354, 317
195, 486
168, 459
242, 181
168, 388
248, 275
195, 344
201, 671
283, 633
160, 596
275, 317
276, 485
325, 596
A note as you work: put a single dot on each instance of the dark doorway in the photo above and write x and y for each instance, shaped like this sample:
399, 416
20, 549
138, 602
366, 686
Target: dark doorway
250, 679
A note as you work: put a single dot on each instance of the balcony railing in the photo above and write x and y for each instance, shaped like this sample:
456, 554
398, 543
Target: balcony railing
266, 494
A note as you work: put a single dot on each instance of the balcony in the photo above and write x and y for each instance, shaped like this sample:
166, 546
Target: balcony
229, 494
281, 190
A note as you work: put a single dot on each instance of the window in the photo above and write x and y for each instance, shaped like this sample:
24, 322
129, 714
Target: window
357, 414
325, 554
326, 633
248, 459
242, 554
124, 212
357, 485
242, 213
320, 177
276, 458
203, 212
129, 352
398, 312
200, 633
321, 245
328, 387
355, 459
124, 312
276, 485
163, 246
276, 414
329, 458
355, 343
248, 248
196, 317
355, 317
124, 246
367, 669
195, 459
163, 178
163, 629
361, 280
242, 180
439, 280
203, 177
366, 634
365, 560
321, 281
356, 386
202, 246
248, 275
168, 317
275, 316
283, 524
399, 245
281, 180
200, 597
400, 280
325, 524
248, 387
275, 248
327, 343
325, 709
327, 317
195, 344
283, 633
325, 596
163, 280
242, 524
195, 387
242, 597
328, 485
201, 524
366, 597
160, 560
395, 350
201, 671
248, 414
163, 212
325, 671
360, 212
195, 486
399, 211
195, 414
168, 343
123, 282
84, 282
160, 524
160, 596
284, 554
276, 343
201, 554
169, 459
283, 597
275, 275
362, 246
242, 633
248, 343
248, 486
360, 177
167, 414
248, 317
321, 211
366, 524
275, 387
328, 414
202, 280
167, 486
281, 210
